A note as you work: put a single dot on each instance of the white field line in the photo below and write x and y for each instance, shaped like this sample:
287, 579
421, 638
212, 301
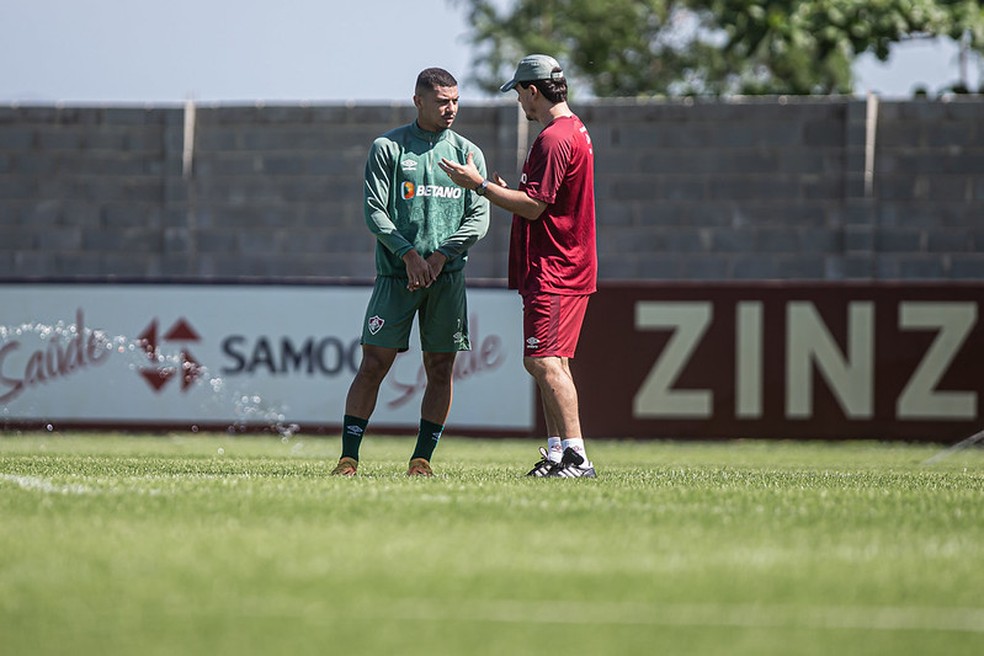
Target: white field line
107, 486
959, 446
38, 484
864, 618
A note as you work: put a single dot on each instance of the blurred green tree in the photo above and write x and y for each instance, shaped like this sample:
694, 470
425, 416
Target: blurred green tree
707, 47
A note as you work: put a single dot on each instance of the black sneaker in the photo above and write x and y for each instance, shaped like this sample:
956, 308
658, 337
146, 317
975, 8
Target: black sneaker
544, 467
572, 465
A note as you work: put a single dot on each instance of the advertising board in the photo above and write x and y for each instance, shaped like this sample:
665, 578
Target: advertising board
783, 360
239, 356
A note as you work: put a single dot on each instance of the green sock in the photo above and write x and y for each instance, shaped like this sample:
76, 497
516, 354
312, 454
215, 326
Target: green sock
353, 428
427, 439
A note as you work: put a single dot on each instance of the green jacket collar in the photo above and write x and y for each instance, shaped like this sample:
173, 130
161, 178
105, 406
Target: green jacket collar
432, 137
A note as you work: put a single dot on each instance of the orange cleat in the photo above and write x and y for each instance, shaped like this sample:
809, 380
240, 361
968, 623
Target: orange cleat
345, 467
419, 467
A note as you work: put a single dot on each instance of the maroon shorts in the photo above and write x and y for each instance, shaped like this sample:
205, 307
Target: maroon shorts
552, 324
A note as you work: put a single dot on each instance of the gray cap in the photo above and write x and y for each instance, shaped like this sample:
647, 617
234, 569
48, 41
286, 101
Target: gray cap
532, 68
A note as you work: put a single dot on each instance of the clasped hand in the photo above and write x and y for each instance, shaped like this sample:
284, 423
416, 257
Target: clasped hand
422, 273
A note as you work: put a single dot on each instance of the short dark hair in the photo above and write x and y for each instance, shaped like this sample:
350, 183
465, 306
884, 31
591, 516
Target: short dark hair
432, 78
553, 90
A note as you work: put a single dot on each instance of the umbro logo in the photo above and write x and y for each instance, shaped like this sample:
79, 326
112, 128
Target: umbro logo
532, 343
409, 165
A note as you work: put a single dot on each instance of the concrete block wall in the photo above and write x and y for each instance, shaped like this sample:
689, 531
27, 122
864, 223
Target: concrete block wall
82, 190
929, 183
277, 191
774, 188
770, 188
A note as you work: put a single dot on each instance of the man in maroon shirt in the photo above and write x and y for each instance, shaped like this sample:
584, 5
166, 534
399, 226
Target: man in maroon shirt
553, 260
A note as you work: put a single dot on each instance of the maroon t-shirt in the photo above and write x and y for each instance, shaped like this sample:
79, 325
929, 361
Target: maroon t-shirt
556, 253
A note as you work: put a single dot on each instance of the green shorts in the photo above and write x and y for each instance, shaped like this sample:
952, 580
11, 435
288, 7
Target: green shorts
442, 311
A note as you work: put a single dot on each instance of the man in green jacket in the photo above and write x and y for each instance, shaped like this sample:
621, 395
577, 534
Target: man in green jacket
424, 225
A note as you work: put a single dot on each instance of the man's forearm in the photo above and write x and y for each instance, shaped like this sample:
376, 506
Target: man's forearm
515, 201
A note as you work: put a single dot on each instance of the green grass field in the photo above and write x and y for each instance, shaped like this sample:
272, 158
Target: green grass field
192, 544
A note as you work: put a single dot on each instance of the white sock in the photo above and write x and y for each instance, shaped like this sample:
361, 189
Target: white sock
576, 443
555, 449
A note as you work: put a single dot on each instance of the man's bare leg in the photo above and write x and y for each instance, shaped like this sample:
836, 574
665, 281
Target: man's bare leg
558, 393
360, 403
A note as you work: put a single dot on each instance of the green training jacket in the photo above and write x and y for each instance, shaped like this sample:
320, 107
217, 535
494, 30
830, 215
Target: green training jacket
411, 203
